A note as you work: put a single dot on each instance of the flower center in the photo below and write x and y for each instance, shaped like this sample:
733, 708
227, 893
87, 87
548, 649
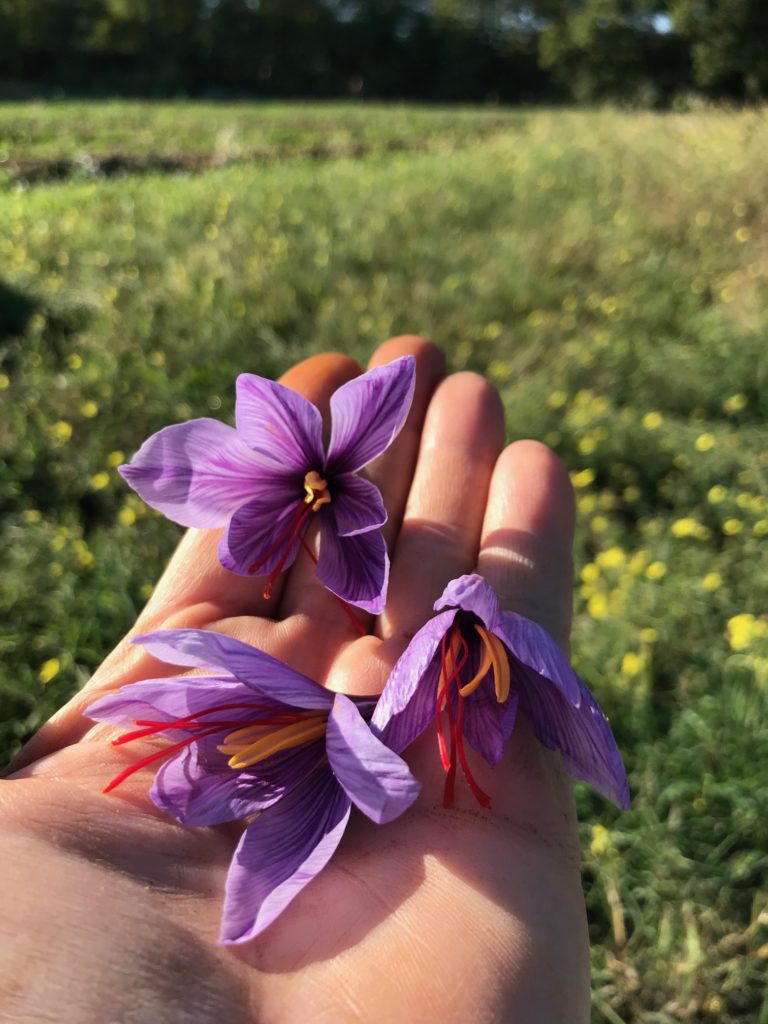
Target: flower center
275, 729
451, 689
257, 742
317, 490
316, 495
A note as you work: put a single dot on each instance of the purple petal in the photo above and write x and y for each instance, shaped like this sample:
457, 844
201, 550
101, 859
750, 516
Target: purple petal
280, 853
199, 648
195, 473
199, 788
356, 568
581, 734
367, 414
279, 424
472, 593
408, 702
169, 699
356, 505
260, 533
488, 724
536, 650
374, 778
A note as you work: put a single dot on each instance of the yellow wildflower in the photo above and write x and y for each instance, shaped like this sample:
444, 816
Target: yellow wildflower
611, 558
49, 670
632, 664
99, 481
704, 442
583, 478
652, 420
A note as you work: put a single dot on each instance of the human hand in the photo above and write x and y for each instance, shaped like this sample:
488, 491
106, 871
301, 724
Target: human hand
111, 911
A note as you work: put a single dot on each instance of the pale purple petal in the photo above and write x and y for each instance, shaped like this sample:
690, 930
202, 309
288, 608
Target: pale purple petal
472, 593
356, 506
261, 534
488, 725
367, 414
197, 787
374, 778
536, 650
195, 473
356, 568
280, 853
169, 699
581, 734
409, 701
279, 424
199, 648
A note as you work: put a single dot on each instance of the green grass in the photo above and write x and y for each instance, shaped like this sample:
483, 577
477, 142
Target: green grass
608, 272
51, 131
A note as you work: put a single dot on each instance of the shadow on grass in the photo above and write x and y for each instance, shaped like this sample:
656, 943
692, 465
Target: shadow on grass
16, 310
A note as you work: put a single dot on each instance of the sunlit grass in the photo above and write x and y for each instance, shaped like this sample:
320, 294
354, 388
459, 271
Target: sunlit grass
608, 272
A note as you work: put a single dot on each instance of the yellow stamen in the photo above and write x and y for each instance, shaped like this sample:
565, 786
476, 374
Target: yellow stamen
317, 490
247, 754
475, 681
447, 670
498, 656
242, 738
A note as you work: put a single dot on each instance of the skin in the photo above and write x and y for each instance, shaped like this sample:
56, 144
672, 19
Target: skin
111, 910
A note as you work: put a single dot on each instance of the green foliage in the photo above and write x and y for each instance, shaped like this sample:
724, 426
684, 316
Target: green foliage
728, 43
607, 272
612, 48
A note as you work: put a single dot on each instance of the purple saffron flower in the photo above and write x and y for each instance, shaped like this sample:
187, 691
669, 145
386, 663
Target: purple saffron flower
265, 479
257, 738
470, 668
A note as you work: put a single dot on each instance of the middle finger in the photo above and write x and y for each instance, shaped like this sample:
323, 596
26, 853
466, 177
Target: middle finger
440, 534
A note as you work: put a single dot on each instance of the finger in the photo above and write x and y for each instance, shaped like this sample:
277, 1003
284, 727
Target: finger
527, 536
440, 533
391, 472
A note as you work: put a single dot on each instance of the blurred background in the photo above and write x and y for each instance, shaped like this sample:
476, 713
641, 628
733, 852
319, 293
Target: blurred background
644, 51
570, 197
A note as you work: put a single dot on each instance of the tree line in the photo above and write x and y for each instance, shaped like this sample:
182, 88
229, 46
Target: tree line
641, 51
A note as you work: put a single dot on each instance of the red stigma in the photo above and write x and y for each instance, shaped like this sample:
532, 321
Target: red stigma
317, 495
454, 655
289, 536
199, 728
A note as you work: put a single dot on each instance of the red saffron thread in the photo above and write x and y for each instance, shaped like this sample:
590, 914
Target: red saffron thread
455, 724
127, 772
286, 538
203, 729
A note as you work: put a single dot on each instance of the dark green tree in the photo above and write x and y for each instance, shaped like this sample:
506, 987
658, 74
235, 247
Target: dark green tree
611, 49
729, 44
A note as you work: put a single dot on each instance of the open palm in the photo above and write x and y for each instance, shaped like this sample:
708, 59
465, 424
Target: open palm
111, 910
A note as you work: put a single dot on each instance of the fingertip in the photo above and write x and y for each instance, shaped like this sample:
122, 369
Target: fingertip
539, 489
430, 361
474, 400
317, 377
526, 547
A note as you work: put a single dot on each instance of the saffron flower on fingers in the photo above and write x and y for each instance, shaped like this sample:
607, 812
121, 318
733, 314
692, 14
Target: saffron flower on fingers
255, 740
470, 669
269, 477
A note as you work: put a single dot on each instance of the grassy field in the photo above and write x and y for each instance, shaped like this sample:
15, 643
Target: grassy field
608, 271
